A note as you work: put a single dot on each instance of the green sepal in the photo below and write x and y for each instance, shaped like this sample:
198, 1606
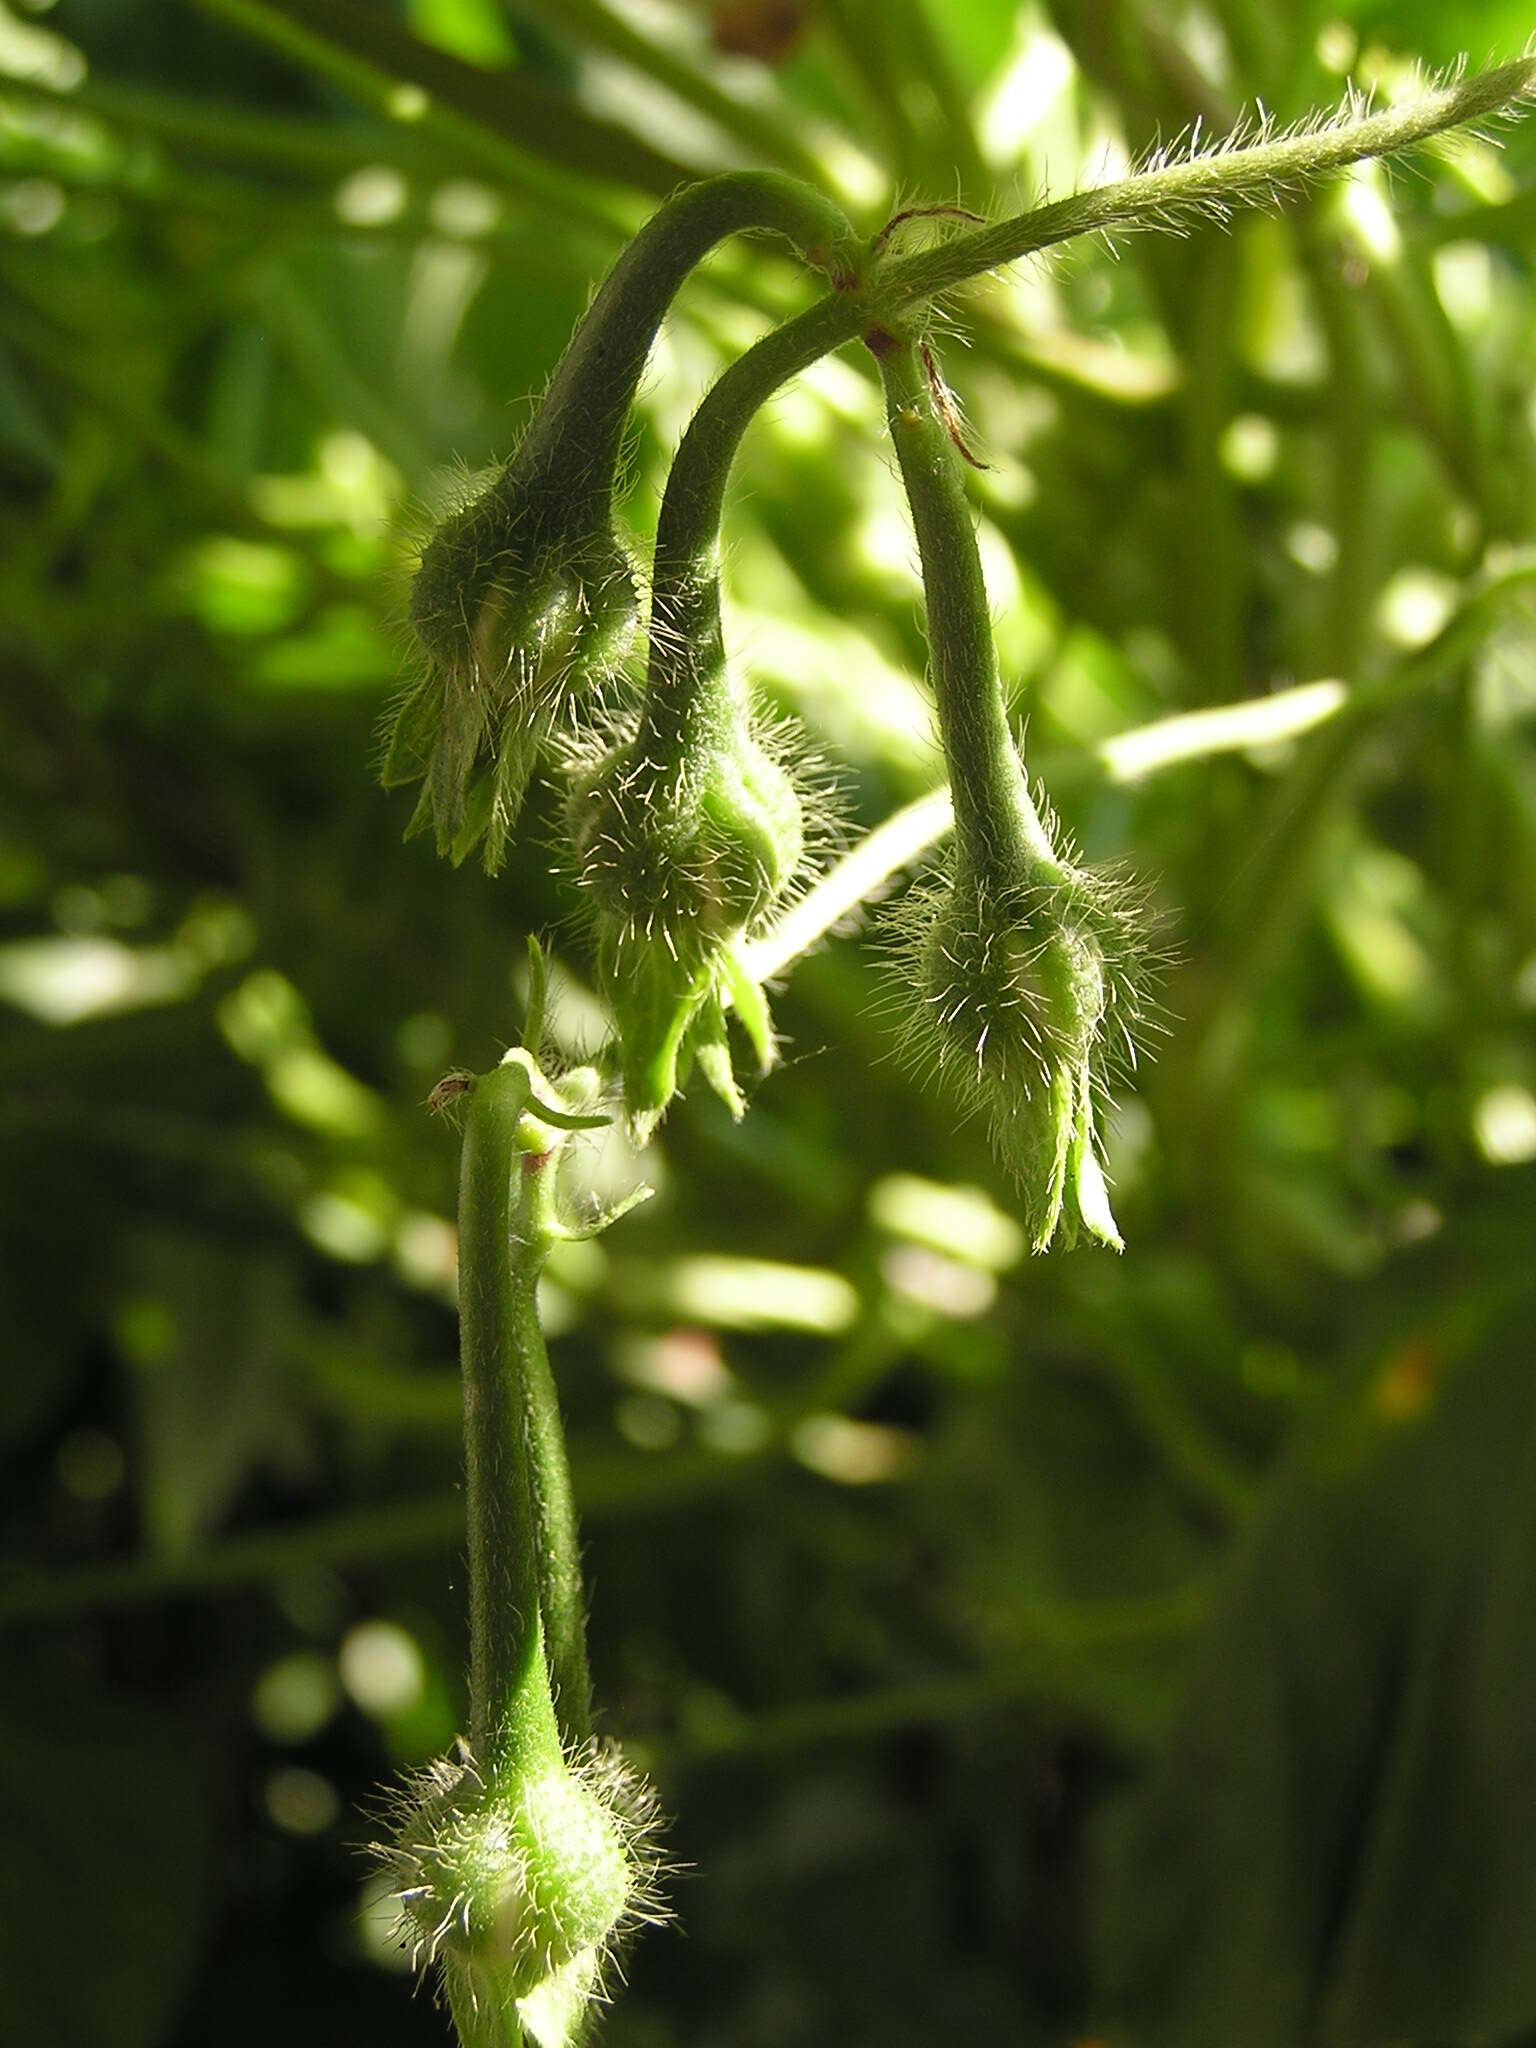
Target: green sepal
516, 758
422, 820
460, 731
654, 999
709, 1043
413, 723
751, 1006
1088, 1213
474, 815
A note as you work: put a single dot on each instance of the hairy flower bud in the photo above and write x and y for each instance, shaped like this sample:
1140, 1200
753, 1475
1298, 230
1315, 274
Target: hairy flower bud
522, 1887
525, 599
1024, 964
524, 603
680, 860
1023, 977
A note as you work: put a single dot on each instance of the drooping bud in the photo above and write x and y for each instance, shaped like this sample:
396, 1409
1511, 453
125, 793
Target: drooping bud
1026, 966
524, 604
681, 856
1023, 978
525, 600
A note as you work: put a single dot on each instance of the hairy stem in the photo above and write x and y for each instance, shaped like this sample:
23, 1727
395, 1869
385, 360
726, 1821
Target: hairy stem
1235, 176
686, 678
993, 812
510, 1710
562, 1600
904, 838
595, 383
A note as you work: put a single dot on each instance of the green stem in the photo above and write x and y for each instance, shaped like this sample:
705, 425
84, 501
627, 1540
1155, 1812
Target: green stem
562, 1601
1215, 186
686, 684
511, 1714
590, 394
994, 816
686, 679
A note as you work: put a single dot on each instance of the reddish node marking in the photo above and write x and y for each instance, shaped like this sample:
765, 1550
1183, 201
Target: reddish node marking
944, 405
921, 213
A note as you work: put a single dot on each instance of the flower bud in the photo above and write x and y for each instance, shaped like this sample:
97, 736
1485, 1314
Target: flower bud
521, 1887
1021, 978
525, 601
1024, 964
679, 861
524, 604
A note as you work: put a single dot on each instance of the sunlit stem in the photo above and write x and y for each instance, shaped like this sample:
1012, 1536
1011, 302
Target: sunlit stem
562, 1600
994, 816
511, 1713
574, 437
1222, 182
686, 686
686, 679
865, 873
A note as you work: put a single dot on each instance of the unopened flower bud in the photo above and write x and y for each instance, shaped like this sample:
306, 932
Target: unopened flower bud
524, 603
1026, 966
680, 860
522, 1887
1022, 978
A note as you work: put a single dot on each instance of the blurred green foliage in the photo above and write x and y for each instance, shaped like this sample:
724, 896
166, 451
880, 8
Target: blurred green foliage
1027, 1650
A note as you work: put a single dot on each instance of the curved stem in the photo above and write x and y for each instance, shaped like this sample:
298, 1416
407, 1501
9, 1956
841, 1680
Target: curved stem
685, 682
686, 679
575, 436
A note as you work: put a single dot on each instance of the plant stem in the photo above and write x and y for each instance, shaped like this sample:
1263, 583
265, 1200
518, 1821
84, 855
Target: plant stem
510, 1709
562, 1601
1145, 750
687, 664
686, 677
594, 384
994, 816
1212, 187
